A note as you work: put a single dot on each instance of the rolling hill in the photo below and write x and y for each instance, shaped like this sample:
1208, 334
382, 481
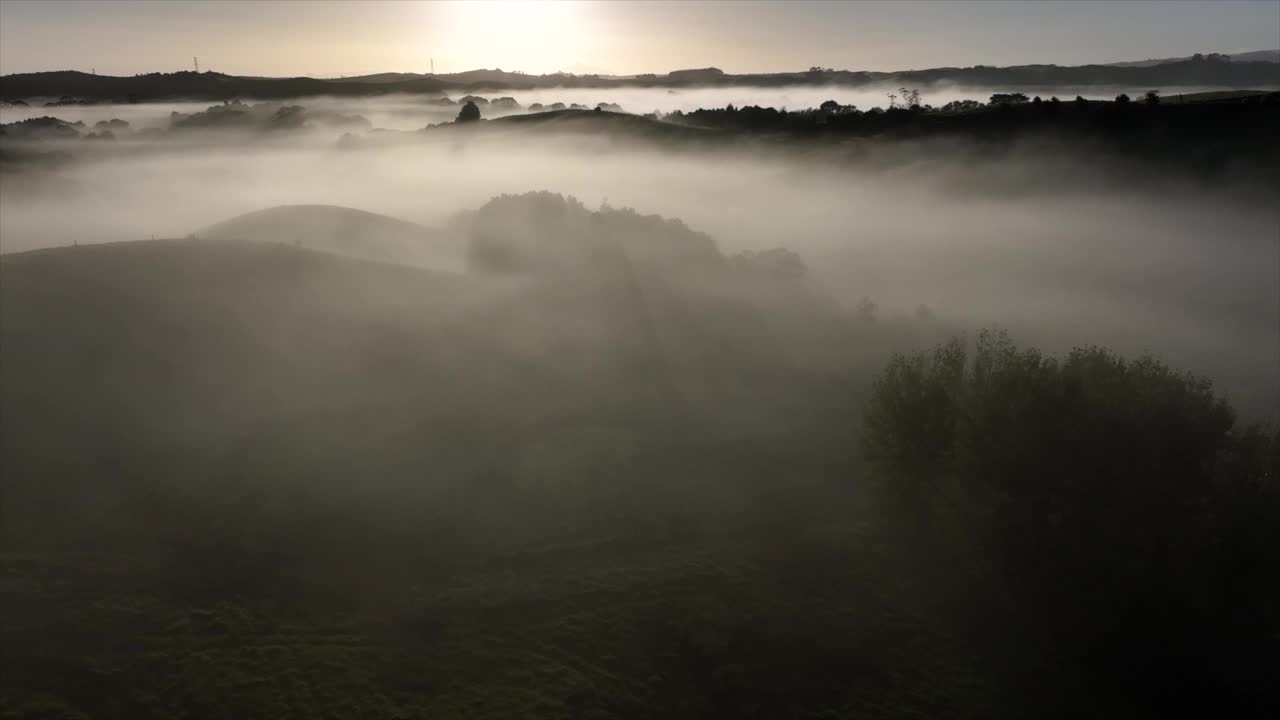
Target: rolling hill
1272, 56
344, 231
607, 472
373, 474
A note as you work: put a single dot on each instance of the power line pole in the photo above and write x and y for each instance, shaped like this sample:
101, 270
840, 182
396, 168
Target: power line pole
196, 61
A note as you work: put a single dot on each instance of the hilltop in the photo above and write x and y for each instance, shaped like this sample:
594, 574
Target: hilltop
342, 231
1272, 56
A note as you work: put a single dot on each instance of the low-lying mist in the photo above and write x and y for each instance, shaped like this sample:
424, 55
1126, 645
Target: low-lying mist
410, 112
1044, 238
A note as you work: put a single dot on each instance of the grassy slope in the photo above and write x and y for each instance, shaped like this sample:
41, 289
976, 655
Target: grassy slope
220, 516
692, 629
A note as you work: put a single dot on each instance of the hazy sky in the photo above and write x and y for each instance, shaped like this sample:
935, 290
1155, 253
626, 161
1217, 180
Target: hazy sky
317, 37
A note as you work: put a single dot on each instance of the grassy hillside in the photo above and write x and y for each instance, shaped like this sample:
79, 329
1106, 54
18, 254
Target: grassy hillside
606, 472
253, 479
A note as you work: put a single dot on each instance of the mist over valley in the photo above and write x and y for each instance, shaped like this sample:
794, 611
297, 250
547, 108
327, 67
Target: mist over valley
942, 392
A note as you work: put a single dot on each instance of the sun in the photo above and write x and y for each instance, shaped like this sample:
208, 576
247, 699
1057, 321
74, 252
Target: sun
531, 15
535, 32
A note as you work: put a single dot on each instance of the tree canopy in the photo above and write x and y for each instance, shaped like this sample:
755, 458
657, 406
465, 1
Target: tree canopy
470, 112
1118, 500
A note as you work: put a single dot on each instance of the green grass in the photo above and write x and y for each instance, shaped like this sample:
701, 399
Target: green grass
730, 626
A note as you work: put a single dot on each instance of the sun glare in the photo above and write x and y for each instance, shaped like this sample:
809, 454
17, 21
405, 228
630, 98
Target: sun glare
536, 31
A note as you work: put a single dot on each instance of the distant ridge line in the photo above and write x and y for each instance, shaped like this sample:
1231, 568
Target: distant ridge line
1204, 71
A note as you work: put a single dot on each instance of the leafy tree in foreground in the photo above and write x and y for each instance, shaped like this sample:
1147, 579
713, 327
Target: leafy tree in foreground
1126, 514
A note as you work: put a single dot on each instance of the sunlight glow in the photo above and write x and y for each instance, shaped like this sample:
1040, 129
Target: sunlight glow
527, 35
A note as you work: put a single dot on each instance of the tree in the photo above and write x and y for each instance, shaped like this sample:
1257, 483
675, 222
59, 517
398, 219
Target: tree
866, 310
777, 263
831, 107
961, 106
1122, 99
1111, 498
469, 112
1153, 97
1008, 99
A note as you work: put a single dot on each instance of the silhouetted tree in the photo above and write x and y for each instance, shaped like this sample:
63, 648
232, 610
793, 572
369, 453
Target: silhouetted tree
961, 106
1008, 99
1122, 99
1153, 97
470, 112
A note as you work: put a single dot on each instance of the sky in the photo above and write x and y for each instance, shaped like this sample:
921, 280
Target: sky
350, 37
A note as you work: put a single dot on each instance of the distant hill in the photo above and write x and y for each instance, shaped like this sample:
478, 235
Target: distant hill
1272, 56
190, 85
342, 231
495, 77
387, 77
593, 122
1247, 70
